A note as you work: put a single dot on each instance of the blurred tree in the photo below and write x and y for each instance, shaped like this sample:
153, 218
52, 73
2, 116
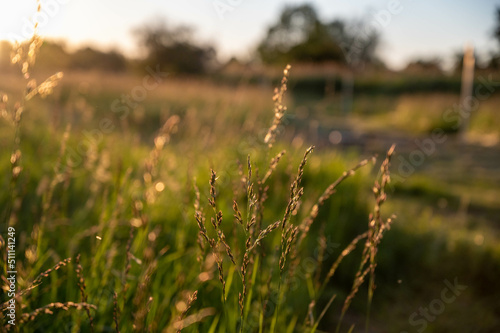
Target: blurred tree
494, 61
358, 41
496, 32
174, 50
53, 56
88, 58
299, 35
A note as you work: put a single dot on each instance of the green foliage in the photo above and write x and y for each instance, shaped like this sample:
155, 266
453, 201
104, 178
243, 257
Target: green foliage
88, 58
174, 50
496, 32
126, 204
300, 36
111, 229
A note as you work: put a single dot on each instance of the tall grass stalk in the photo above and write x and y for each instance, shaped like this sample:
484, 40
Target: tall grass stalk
288, 234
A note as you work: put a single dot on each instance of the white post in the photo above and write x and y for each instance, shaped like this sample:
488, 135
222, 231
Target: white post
467, 85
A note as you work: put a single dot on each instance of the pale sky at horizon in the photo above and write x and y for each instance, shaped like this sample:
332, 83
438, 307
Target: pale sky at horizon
422, 28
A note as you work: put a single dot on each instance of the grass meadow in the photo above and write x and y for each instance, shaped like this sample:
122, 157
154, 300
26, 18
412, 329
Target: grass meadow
145, 203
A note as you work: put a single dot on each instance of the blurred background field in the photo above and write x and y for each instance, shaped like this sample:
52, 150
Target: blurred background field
135, 145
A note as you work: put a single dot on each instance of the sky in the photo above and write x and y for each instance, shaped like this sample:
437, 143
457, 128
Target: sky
409, 29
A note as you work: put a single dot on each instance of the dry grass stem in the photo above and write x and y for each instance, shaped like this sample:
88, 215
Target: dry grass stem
128, 260
295, 190
279, 108
49, 309
329, 191
273, 165
38, 280
264, 233
81, 285
237, 213
116, 313
376, 228
216, 224
194, 318
192, 298
343, 254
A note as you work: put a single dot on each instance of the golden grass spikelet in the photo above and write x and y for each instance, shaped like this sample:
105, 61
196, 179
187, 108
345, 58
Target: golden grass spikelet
202, 230
217, 221
192, 319
295, 191
244, 267
213, 194
81, 285
329, 191
289, 237
45, 88
218, 260
237, 213
222, 239
49, 308
376, 228
128, 260
264, 233
200, 217
140, 301
279, 108
24, 53
192, 298
358, 281
307, 222
322, 244
272, 166
349, 248
251, 198
38, 280
116, 313
42, 275
241, 299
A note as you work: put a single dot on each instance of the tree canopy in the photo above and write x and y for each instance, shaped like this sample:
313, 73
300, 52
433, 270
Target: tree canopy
496, 32
300, 36
173, 49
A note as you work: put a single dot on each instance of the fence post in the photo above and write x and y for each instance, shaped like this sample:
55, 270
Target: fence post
467, 85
